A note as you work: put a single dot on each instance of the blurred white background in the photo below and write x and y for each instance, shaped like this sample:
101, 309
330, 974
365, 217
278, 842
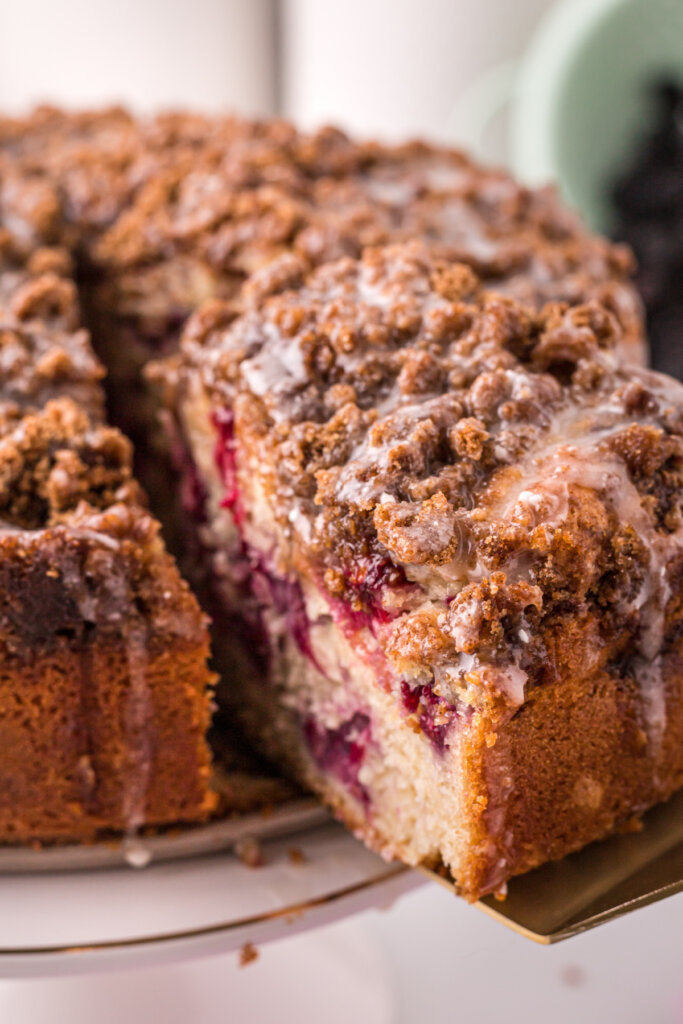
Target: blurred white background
400, 68
379, 67
206, 54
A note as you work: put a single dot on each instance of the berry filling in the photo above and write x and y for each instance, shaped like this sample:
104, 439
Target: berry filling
341, 751
226, 461
192, 490
434, 715
269, 589
286, 597
367, 580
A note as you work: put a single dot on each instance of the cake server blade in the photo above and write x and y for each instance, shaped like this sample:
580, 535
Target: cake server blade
597, 884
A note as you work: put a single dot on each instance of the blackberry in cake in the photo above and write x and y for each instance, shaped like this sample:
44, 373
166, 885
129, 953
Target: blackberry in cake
451, 526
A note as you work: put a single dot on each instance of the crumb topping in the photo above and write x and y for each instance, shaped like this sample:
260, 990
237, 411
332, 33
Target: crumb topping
211, 201
53, 459
405, 418
93, 164
44, 353
78, 544
237, 218
29, 207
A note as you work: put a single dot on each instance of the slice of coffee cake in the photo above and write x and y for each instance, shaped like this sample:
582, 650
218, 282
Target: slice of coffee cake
104, 689
451, 528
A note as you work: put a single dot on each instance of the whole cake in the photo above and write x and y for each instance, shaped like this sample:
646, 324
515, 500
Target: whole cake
421, 481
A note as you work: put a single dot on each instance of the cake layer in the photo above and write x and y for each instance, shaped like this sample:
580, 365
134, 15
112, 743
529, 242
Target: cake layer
103, 683
452, 528
105, 694
104, 689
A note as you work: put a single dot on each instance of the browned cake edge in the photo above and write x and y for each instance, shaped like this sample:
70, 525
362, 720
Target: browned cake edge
105, 693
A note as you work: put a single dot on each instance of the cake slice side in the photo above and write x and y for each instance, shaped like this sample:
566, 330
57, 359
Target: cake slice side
451, 527
105, 694
104, 688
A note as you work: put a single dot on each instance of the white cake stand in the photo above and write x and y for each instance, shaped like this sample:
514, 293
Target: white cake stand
85, 909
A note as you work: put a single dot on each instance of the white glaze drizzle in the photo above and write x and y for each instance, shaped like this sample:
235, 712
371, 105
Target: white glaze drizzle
544, 488
137, 716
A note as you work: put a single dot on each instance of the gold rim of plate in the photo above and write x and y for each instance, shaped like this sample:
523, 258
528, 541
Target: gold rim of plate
291, 911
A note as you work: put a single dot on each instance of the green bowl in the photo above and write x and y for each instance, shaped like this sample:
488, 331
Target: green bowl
584, 94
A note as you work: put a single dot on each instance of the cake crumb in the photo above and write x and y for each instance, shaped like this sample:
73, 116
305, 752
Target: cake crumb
501, 893
249, 851
248, 954
296, 855
633, 824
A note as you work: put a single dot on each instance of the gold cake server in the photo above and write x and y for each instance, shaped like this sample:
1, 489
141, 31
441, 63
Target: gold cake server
597, 884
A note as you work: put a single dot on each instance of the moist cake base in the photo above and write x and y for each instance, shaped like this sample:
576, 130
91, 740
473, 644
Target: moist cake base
90, 748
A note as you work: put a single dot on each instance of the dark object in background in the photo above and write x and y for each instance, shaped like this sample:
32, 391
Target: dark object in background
649, 206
